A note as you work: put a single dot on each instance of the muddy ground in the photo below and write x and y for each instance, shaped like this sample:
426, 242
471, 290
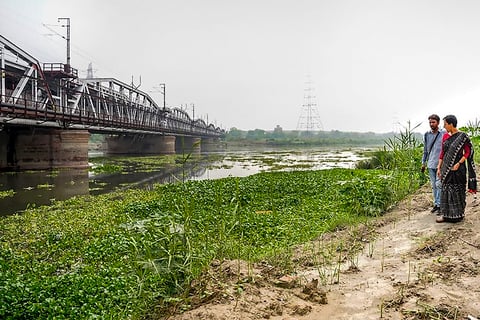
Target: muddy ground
403, 265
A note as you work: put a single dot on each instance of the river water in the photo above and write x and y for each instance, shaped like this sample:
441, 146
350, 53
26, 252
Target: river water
20, 190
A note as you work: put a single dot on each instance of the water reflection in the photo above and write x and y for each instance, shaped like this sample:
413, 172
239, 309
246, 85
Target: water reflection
40, 188
146, 180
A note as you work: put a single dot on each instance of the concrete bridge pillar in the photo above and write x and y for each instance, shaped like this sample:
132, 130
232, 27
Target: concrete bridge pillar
188, 145
211, 144
3, 149
43, 148
136, 144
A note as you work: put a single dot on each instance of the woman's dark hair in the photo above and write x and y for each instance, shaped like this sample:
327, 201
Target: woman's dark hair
451, 119
434, 117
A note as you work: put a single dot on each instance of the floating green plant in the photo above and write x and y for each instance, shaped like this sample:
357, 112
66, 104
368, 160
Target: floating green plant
7, 193
45, 186
107, 168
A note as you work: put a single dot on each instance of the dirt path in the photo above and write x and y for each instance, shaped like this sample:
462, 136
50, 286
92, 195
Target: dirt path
402, 266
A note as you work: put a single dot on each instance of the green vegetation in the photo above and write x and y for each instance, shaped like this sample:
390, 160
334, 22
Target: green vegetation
142, 163
45, 186
106, 168
473, 130
138, 164
116, 256
120, 255
278, 137
7, 193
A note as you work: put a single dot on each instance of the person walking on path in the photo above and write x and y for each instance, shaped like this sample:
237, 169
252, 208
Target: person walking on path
432, 145
455, 163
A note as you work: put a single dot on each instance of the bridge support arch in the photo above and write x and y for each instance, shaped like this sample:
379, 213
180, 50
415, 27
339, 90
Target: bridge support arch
25, 148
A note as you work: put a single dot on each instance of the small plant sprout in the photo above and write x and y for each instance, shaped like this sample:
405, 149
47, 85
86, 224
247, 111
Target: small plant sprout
383, 254
371, 248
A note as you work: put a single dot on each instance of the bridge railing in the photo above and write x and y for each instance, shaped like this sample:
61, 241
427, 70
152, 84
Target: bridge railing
147, 120
61, 69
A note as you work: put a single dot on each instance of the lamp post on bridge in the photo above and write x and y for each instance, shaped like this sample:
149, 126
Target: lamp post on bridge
67, 68
162, 88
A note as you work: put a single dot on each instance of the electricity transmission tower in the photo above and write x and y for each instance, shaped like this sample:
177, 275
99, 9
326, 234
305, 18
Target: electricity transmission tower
309, 120
90, 71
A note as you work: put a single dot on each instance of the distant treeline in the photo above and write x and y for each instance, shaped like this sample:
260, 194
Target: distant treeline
295, 137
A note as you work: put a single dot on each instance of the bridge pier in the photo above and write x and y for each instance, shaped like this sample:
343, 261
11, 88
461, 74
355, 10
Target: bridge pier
43, 148
145, 144
188, 145
211, 144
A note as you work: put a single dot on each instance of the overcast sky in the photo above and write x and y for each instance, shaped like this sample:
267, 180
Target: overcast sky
374, 65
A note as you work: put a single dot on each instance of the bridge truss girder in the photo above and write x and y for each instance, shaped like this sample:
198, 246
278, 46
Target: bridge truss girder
54, 94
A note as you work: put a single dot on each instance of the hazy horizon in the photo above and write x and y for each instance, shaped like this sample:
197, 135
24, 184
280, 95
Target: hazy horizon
374, 65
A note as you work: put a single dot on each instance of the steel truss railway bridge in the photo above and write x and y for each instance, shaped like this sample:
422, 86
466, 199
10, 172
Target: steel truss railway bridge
47, 114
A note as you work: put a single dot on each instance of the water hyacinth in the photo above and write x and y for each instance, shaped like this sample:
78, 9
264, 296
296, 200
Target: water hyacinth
117, 255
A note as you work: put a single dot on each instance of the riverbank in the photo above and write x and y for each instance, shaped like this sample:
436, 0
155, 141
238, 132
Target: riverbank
406, 267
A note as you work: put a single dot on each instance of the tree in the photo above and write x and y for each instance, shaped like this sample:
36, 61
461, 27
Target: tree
234, 134
256, 134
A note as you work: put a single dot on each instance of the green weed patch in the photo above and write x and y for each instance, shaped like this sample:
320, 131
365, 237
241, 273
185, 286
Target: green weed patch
116, 256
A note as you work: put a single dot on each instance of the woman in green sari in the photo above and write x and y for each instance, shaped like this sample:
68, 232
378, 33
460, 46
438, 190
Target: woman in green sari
456, 162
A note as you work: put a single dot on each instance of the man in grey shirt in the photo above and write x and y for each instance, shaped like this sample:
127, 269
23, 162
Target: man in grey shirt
432, 145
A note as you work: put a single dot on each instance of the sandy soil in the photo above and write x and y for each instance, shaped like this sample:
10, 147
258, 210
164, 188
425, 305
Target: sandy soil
400, 266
